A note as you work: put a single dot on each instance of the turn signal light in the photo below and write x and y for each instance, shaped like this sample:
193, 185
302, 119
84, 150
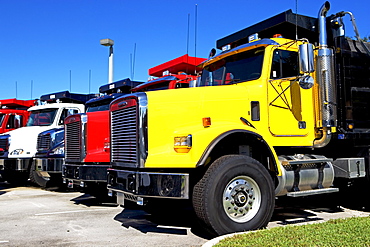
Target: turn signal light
206, 121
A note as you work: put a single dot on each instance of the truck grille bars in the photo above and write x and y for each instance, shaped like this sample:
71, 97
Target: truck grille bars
4, 142
128, 131
73, 141
43, 142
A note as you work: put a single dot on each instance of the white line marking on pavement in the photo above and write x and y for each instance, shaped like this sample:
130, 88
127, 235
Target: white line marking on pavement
76, 211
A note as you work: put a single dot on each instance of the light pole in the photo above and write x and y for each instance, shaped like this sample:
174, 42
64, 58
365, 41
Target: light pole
110, 43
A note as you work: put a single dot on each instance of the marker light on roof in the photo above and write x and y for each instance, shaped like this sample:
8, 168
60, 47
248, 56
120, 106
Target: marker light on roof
278, 35
226, 47
253, 37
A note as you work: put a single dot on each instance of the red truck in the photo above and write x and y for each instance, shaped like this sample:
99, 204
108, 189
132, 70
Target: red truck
14, 114
87, 136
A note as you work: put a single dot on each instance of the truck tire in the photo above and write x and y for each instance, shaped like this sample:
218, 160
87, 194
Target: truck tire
235, 194
36, 178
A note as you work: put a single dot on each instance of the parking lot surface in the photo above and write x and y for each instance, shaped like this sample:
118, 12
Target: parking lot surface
32, 216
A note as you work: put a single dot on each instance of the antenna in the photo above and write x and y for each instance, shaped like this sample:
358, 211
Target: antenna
133, 63
296, 19
31, 87
89, 80
195, 35
70, 80
16, 90
187, 43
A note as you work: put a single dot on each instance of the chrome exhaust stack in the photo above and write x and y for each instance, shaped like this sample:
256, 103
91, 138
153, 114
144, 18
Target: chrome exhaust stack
326, 80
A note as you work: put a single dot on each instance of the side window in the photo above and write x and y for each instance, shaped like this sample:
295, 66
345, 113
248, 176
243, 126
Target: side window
14, 122
10, 123
284, 64
65, 113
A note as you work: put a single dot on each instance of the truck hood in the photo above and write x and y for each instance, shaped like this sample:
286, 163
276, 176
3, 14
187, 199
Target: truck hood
23, 141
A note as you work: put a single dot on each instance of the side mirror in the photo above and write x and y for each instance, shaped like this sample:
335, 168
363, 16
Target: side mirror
306, 58
17, 121
306, 82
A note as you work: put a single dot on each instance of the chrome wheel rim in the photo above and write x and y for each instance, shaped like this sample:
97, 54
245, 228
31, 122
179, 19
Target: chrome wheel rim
241, 199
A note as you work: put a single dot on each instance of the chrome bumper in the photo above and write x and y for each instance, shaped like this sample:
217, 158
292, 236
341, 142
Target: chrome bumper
85, 173
135, 185
51, 165
15, 164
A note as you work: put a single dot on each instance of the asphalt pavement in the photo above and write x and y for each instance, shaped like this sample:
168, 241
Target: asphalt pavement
31, 216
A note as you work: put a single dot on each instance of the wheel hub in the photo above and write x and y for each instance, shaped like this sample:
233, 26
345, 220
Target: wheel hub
239, 199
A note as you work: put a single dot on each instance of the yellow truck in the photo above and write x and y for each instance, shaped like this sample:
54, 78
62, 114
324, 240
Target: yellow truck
283, 110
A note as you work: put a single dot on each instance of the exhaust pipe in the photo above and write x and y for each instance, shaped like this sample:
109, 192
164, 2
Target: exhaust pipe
326, 79
323, 40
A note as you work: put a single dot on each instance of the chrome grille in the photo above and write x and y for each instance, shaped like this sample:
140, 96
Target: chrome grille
4, 142
124, 139
43, 142
73, 141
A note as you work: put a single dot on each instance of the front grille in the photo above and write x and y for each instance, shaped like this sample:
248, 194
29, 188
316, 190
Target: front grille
73, 141
4, 143
124, 139
43, 142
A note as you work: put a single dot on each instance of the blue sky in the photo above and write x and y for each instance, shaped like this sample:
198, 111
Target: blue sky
54, 43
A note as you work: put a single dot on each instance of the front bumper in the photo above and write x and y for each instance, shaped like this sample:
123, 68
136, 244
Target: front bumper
15, 164
135, 185
50, 165
85, 173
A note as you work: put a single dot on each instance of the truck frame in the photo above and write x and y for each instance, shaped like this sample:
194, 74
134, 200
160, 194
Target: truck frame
273, 115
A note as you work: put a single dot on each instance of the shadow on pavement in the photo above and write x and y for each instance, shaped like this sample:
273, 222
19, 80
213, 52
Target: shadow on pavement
171, 222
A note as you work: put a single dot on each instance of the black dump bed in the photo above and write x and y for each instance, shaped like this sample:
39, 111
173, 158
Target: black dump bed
284, 24
66, 97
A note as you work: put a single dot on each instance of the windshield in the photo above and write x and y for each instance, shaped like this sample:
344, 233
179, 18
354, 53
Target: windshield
241, 67
94, 108
2, 116
44, 117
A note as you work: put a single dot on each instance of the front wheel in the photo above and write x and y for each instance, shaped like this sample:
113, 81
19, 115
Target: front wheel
36, 177
235, 194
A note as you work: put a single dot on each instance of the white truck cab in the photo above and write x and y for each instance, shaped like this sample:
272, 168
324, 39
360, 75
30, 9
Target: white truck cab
20, 147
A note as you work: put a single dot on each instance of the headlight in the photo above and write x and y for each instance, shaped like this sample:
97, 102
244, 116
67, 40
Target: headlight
57, 150
183, 144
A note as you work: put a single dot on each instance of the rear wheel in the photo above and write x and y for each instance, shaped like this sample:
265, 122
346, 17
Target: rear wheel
235, 194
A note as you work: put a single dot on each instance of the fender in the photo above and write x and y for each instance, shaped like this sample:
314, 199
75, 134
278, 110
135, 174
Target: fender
219, 138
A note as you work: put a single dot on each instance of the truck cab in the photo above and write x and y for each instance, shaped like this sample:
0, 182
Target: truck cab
17, 164
87, 139
87, 167
14, 114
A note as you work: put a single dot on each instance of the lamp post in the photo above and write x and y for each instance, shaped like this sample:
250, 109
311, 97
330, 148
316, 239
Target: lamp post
110, 43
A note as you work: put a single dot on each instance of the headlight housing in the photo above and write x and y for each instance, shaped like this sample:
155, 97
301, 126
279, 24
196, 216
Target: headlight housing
59, 150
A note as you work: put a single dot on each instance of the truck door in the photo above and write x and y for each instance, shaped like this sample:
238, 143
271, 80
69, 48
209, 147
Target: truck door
67, 112
285, 102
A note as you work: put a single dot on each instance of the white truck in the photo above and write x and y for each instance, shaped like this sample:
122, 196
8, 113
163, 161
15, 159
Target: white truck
18, 147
